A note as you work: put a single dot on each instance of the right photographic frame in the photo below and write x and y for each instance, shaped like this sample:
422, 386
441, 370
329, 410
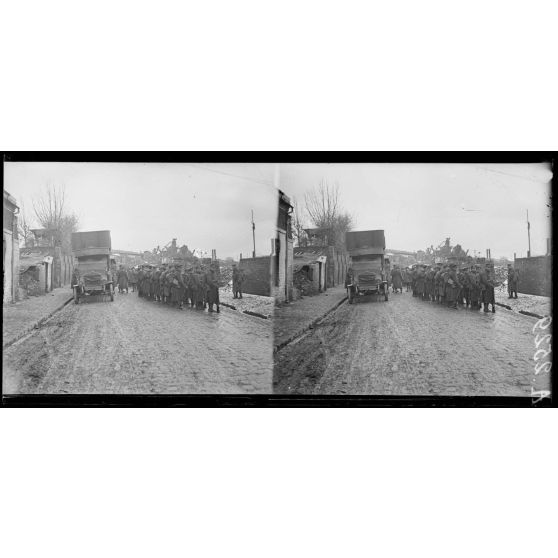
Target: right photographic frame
414, 280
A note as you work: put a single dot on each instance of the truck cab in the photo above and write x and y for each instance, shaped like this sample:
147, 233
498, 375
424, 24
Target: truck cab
369, 272
92, 274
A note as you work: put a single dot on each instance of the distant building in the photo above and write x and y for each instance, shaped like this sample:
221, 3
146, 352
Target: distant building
10, 241
127, 258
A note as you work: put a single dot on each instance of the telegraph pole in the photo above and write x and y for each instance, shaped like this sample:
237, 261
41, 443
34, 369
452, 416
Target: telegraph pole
253, 234
528, 235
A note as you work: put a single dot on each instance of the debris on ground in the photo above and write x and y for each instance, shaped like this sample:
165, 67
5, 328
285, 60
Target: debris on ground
262, 305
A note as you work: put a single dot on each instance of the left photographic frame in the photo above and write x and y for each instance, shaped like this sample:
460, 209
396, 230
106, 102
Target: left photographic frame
127, 275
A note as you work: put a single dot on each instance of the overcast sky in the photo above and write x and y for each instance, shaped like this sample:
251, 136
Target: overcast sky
209, 206
479, 206
204, 206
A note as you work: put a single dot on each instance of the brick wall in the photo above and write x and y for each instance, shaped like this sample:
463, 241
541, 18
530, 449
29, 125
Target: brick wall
535, 275
257, 275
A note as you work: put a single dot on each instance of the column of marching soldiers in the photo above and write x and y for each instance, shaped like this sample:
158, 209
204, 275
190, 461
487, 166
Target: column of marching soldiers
472, 286
196, 287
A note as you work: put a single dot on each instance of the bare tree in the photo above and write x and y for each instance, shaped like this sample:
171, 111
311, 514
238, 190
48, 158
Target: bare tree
51, 214
325, 212
24, 226
298, 225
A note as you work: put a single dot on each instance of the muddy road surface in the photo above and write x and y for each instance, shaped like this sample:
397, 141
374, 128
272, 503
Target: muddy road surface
411, 347
137, 346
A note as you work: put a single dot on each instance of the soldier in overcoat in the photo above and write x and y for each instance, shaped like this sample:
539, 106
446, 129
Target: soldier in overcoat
237, 278
443, 287
198, 287
474, 287
414, 272
452, 286
438, 281
397, 279
141, 277
185, 275
432, 281
153, 283
133, 279
166, 285
212, 288
462, 295
122, 280
513, 279
487, 286
419, 282
176, 287
408, 279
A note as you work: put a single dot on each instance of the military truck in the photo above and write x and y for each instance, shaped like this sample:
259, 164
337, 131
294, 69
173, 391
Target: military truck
369, 274
92, 276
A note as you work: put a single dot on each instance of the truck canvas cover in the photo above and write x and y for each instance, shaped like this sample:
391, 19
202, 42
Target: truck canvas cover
91, 243
365, 242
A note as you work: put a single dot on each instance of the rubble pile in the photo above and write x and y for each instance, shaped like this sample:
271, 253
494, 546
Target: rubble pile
225, 277
304, 286
30, 285
501, 275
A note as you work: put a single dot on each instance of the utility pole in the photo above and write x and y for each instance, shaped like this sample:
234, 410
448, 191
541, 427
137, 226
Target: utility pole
528, 235
253, 234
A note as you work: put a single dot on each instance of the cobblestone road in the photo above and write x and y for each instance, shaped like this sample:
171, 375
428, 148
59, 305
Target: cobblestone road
133, 345
410, 347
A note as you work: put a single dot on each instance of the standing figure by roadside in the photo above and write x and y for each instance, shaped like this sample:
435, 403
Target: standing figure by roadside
462, 295
75, 277
122, 280
408, 278
397, 279
349, 284
487, 286
513, 280
212, 288
428, 287
198, 288
445, 274
419, 282
177, 287
141, 278
430, 281
438, 283
114, 275
153, 282
414, 272
185, 278
133, 279
238, 278
166, 278
191, 286
452, 286
474, 287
